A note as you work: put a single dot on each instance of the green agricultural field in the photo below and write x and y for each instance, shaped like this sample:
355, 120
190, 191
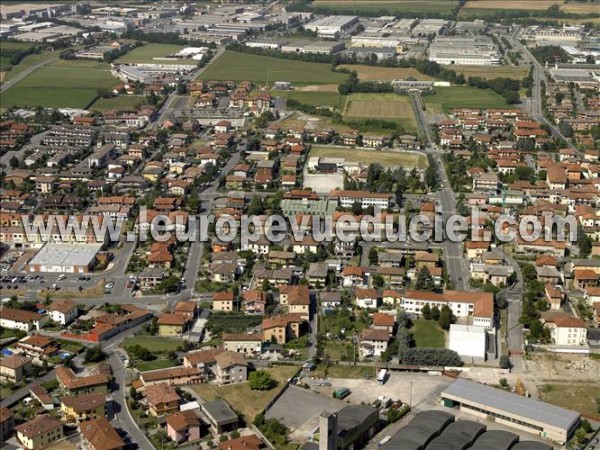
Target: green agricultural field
314, 98
147, 53
490, 72
428, 334
237, 66
392, 6
28, 61
389, 107
120, 102
462, 97
388, 159
63, 84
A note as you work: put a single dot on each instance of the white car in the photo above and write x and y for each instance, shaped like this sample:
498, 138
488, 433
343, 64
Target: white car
110, 285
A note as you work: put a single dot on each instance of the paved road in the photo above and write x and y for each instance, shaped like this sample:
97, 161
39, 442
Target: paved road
123, 416
10, 83
24, 391
514, 296
534, 105
453, 252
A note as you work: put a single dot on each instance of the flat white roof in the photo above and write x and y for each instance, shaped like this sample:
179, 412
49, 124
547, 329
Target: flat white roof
65, 254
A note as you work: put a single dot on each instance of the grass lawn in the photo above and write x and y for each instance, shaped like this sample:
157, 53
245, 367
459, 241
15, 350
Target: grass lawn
241, 397
390, 107
120, 102
62, 84
314, 98
389, 159
28, 61
580, 397
392, 6
489, 72
156, 364
154, 343
337, 349
343, 371
237, 66
147, 53
375, 73
462, 97
428, 334
70, 346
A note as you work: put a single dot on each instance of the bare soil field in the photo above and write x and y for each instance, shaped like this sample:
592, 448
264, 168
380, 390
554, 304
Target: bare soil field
538, 5
319, 88
383, 110
581, 8
373, 73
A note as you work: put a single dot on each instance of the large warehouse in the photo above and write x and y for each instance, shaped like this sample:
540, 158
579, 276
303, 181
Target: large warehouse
532, 416
69, 258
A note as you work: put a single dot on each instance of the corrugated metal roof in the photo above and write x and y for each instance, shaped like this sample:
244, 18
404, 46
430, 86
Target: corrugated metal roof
512, 403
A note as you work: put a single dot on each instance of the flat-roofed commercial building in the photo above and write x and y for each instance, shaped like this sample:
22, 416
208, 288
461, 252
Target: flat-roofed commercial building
69, 258
526, 414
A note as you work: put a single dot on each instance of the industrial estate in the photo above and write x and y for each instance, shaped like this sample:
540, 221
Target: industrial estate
196, 204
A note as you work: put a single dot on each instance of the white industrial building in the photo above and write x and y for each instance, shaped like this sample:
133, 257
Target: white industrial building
64, 258
331, 26
468, 340
478, 51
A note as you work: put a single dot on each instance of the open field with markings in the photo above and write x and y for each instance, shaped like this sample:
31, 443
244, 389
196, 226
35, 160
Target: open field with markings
391, 107
388, 159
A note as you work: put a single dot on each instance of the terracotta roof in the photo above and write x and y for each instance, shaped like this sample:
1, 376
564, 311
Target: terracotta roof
370, 334
227, 359
202, 356
241, 337
5, 414
383, 319
223, 296
101, 434
39, 425
251, 442
585, 274
71, 381
168, 373
367, 293
19, 315
63, 306
562, 320
172, 319
297, 295
160, 393
85, 402
182, 420
282, 320
14, 361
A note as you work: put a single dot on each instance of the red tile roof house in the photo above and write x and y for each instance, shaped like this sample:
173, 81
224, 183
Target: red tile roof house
183, 426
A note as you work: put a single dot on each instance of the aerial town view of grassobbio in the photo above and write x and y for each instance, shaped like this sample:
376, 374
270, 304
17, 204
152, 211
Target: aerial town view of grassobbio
300, 224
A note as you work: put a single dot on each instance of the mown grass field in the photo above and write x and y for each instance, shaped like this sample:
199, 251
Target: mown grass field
241, 397
390, 107
237, 66
375, 73
489, 72
343, 371
428, 334
462, 97
535, 5
61, 84
147, 53
314, 98
153, 343
392, 6
387, 159
580, 397
120, 102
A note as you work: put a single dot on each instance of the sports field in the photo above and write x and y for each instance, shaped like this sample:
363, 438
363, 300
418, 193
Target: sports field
147, 53
462, 97
388, 159
61, 84
391, 107
237, 66
489, 72
314, 98
392, 6
120, 102
374, 73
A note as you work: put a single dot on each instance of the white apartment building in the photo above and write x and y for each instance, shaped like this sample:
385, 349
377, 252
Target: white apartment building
347, 198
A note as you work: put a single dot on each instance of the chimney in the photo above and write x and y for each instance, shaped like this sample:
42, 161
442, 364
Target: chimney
328, 431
